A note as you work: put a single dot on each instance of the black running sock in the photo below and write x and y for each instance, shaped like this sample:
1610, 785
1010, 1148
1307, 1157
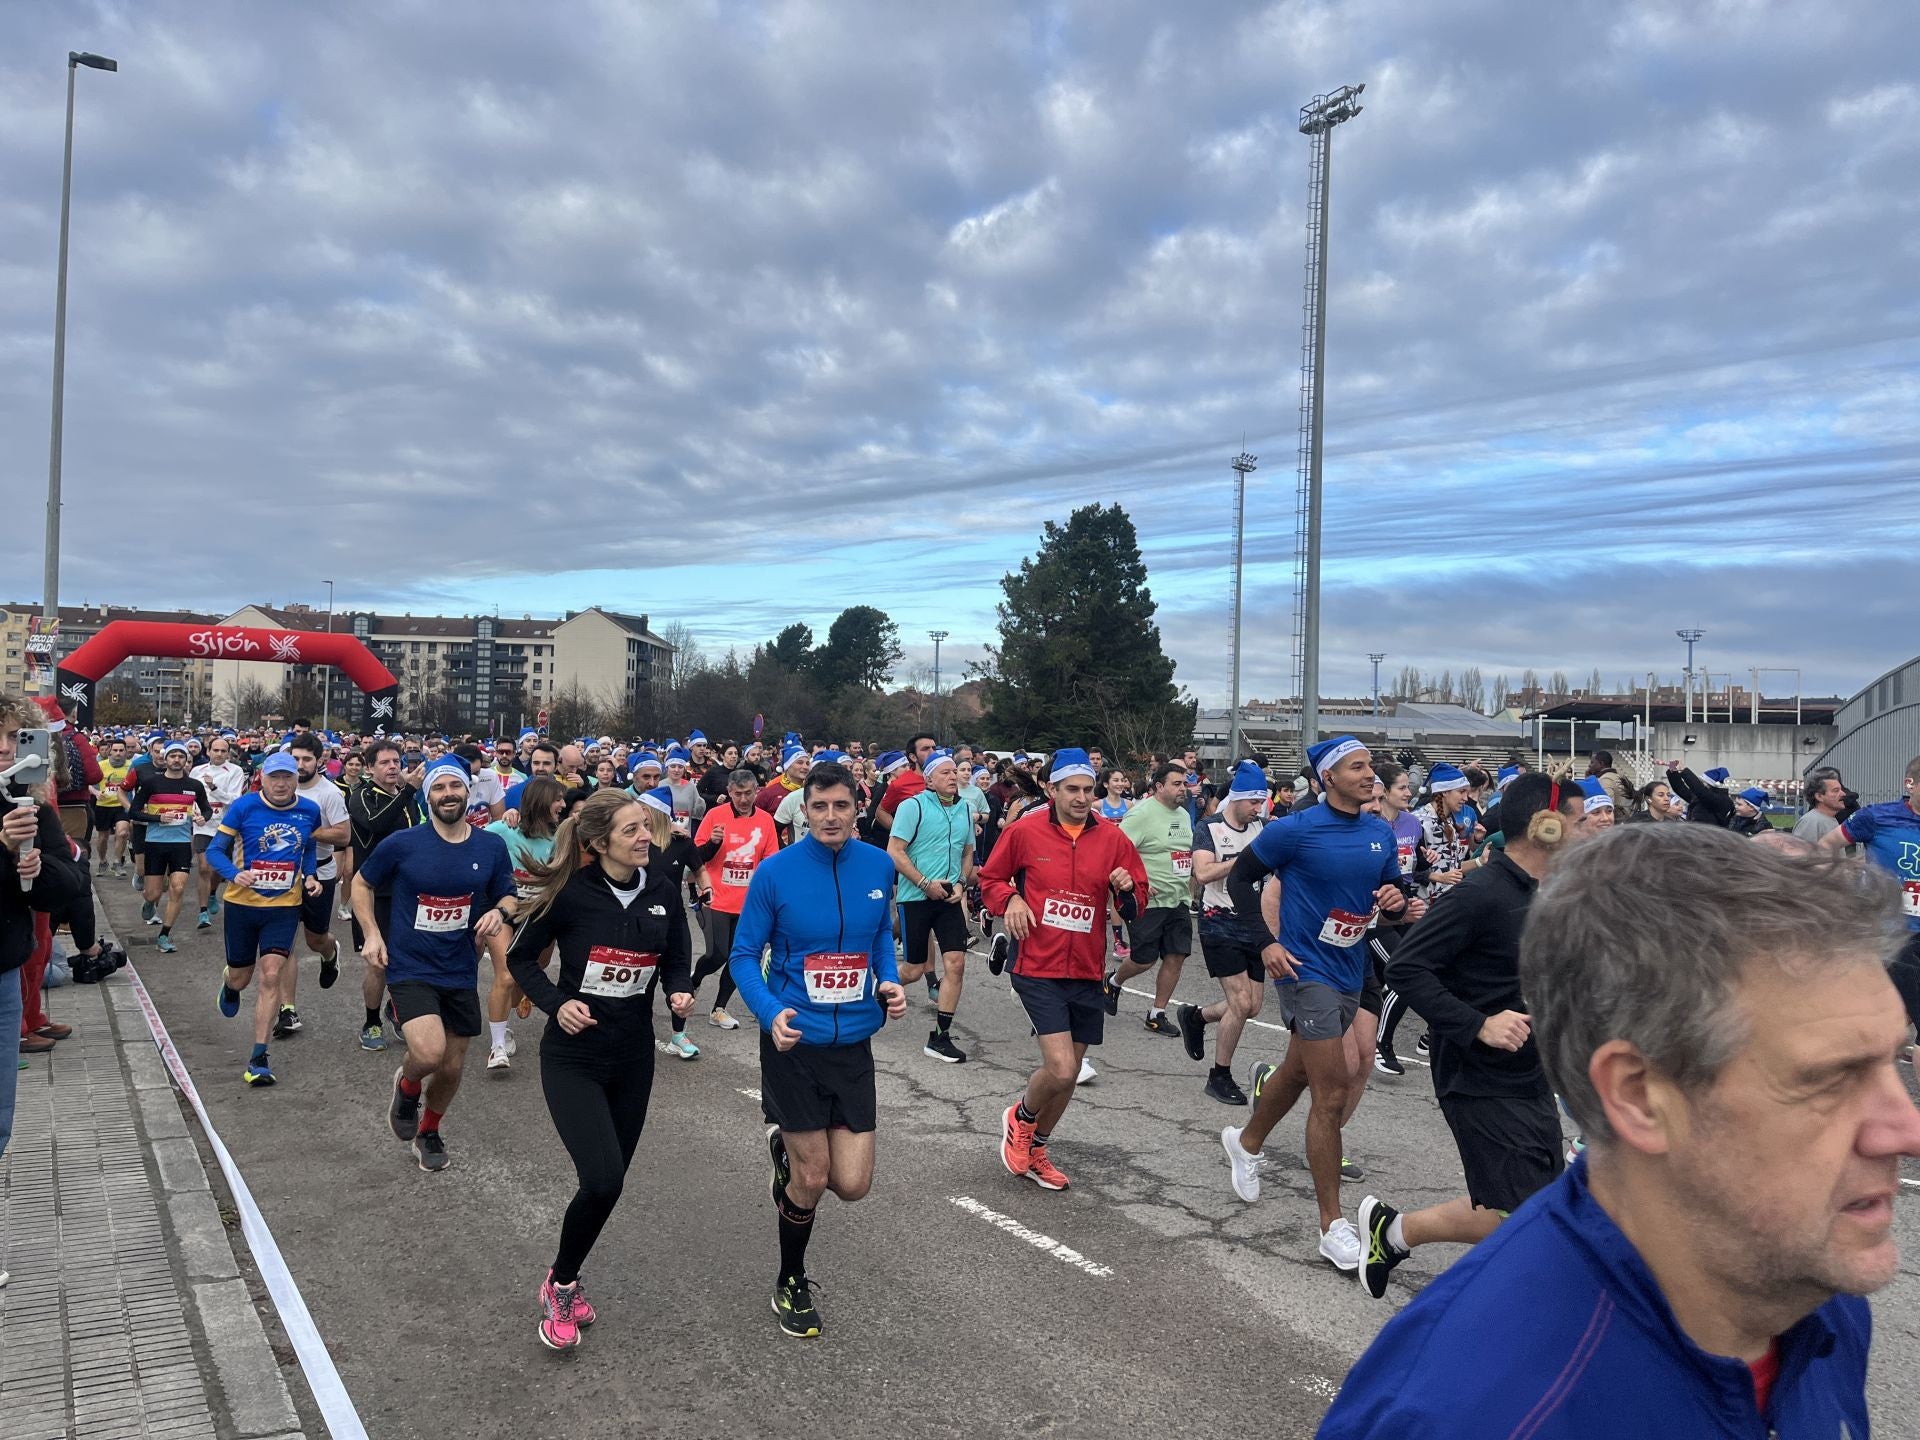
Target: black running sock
1039, 1140
943, 1020
1024, 1115
166, 929
796, 1228
373, 1016
1223, 1071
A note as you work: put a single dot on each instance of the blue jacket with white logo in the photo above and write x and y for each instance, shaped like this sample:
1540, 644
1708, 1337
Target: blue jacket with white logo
812, 901
1554, 1329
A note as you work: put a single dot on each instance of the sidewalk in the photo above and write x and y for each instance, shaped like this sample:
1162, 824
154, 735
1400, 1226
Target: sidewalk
127, 1314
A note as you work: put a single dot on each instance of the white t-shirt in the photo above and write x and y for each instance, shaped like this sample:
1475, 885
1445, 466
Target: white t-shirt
483, 794
333, 811
792, 812
224, 784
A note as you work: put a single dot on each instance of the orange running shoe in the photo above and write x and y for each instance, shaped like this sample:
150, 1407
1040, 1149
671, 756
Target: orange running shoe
1016, 1141
1043, 1172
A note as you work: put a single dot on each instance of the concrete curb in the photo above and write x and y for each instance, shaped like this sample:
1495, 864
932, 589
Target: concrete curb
258, 1404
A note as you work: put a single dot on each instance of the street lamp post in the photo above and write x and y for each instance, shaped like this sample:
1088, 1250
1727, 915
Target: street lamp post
50, 613
939, 708
1243, 466
1376, 656
1692, 638
326, 681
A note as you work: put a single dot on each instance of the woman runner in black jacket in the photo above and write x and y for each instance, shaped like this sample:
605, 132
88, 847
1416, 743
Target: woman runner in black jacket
614, 924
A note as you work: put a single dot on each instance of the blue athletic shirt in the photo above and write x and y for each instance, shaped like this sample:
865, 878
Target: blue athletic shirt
440, 890
1329, 865
275, 842
1891, 833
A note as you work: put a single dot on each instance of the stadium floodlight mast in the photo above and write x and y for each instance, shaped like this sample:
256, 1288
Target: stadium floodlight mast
1376, 656
1243, 466
50, 612
1693, 638
939, 705
1317, 121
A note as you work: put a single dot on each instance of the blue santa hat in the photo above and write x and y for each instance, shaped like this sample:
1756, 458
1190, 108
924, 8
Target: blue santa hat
1719, 775
792, 753
1596, 793
1068, 763
1444, 777
696, 737
1756, 797
889, 761
447, 764
526, 730
1329, 753
1506, 776
934, 761
659, 798
641, 760
831, 757
1249, 782
677, 755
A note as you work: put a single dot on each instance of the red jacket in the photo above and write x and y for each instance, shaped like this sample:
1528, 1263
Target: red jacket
1064, 882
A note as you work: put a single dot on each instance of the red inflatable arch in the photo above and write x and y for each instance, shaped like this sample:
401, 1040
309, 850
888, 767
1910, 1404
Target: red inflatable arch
81, 671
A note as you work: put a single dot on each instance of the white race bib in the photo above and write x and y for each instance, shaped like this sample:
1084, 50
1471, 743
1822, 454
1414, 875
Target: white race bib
834, 978
1068, 911
617, 974
1910, 891
439, 914
1343, 928
735, 874
1183, 863
272, 877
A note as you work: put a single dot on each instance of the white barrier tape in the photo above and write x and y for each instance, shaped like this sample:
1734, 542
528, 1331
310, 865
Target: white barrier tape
329, 1392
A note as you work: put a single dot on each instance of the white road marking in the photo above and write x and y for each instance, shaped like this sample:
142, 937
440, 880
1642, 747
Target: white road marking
1013, 1227
1914, 1183
750, 1094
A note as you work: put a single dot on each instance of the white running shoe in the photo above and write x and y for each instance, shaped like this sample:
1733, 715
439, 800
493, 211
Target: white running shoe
1341, 1245
1246, 1171
721, 1019
1087, 1072
497, 1058
513, 1045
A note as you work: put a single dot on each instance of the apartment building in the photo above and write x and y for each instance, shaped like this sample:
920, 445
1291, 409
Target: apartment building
170, 687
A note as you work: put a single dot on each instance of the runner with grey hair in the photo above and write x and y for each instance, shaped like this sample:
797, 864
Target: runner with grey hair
1717, 1017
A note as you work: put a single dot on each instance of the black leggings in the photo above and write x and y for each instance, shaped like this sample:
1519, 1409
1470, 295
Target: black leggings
719, 935
599, 1106
1905, 974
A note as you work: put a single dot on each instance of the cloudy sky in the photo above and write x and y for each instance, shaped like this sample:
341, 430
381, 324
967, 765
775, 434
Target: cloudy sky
738, 314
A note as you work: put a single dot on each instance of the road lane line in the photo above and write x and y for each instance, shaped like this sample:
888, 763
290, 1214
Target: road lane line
1266, 1024
329, 1391
1061, 1252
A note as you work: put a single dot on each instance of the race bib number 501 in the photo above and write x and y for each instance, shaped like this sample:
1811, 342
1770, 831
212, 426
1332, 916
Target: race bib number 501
617, 974
834, 978
442, 913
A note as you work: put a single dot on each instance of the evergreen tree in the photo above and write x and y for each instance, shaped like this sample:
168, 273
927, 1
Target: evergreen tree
1079, 660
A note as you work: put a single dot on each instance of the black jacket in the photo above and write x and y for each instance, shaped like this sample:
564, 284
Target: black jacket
1459, 964
587, 915
1712, 805
59, 883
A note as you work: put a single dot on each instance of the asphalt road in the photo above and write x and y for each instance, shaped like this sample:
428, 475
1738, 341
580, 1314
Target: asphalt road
957, 1300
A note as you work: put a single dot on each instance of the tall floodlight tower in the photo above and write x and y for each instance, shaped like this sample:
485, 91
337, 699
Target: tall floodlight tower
1243, 466
1316, 122
1692, 638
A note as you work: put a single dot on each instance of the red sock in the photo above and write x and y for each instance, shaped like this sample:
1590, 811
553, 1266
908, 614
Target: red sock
410, 1088
430, 1121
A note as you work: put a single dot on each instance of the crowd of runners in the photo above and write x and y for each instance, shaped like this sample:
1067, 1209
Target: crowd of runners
814, 884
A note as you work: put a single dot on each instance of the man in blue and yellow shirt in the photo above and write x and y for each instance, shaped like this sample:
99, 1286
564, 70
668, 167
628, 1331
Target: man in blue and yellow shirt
264, 850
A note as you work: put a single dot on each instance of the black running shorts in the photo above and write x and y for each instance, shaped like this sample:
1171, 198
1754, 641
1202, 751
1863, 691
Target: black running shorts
941, 919
458, 1008
1160, 931
1076, 1007
818, 1087
172, 858
1226, 956
1510, 1146
316, 911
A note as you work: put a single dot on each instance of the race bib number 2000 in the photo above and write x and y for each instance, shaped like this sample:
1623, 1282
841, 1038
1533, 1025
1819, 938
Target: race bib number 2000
1068, 911
835, 978
439, 914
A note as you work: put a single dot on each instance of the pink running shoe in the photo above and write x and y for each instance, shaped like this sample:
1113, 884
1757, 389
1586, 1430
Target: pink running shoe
583, 1312
559, 1327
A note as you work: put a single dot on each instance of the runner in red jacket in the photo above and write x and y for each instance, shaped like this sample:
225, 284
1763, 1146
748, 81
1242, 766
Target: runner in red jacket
1050, 875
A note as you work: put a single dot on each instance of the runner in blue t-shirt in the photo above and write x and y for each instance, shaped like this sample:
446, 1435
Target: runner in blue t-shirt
451, 885
1336, 865
1890, 834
